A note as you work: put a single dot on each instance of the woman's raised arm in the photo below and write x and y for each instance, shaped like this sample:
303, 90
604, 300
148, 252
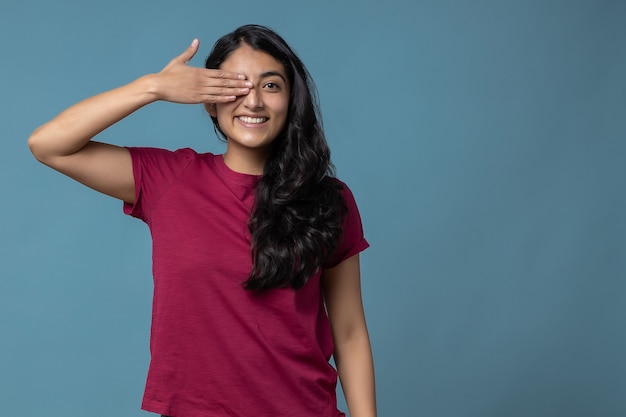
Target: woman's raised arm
65, 142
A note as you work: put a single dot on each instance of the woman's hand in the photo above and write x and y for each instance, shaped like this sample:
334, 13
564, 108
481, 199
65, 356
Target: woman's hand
179, 82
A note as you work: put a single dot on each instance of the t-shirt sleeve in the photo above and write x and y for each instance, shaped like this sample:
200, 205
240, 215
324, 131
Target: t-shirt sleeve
353, 240
154, 171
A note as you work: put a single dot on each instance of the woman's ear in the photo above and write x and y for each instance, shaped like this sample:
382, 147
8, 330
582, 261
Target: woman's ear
211, 109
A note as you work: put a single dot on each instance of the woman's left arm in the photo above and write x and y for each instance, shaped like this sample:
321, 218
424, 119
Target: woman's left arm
353, 353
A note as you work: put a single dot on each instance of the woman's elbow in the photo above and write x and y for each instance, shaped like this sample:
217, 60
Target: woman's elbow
35, 141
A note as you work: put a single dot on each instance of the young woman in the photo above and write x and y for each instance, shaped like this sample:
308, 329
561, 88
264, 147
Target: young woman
255, 252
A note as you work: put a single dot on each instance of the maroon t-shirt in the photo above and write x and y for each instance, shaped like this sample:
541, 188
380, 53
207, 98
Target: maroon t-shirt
217, 349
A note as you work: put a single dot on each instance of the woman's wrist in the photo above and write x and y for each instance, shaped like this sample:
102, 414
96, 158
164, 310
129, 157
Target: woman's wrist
148, 86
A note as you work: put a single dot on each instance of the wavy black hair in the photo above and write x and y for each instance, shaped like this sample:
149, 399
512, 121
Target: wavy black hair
296, 221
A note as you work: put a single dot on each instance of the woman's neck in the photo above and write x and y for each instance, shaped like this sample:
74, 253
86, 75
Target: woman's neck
245, 161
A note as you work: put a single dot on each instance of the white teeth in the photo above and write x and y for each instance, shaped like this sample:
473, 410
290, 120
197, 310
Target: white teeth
252, 120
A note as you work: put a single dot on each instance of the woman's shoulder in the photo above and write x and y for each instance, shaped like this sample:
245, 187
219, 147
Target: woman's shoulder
342, 187
180, 152
163, 155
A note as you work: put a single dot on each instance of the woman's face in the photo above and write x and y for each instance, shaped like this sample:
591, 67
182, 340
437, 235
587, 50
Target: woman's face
252, 122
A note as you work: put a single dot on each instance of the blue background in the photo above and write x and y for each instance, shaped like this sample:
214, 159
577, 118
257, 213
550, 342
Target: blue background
485, 144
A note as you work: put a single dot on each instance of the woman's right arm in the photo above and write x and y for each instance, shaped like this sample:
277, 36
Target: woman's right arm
64, 143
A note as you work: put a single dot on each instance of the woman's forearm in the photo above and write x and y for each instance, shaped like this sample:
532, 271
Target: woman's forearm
72, 129
356, 373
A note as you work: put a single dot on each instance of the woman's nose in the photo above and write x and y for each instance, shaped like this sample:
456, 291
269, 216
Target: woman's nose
252, 100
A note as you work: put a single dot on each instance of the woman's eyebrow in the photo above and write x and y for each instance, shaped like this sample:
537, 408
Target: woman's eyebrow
271, 74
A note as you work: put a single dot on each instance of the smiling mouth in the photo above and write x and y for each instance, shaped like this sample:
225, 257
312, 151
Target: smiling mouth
252, 120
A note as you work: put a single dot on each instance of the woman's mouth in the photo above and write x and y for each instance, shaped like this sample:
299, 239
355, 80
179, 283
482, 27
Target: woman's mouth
252, 120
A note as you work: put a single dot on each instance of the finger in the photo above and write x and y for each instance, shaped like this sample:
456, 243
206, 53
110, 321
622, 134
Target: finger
189, 53
213, 99
233, 92
226, 83
224, 75
220, 94
235, 87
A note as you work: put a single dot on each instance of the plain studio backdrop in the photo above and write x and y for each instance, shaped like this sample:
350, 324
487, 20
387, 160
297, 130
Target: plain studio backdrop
485, 142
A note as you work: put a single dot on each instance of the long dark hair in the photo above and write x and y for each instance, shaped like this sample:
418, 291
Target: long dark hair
296, 221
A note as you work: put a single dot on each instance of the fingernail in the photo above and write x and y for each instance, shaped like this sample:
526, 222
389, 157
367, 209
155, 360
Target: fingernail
241, 76
194, 42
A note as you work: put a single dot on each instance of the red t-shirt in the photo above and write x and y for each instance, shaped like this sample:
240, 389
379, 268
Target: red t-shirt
217, 349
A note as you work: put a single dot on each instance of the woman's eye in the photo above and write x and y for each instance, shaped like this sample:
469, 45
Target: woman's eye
271, 86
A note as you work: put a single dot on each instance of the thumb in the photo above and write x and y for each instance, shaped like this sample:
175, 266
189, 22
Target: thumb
189, 53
